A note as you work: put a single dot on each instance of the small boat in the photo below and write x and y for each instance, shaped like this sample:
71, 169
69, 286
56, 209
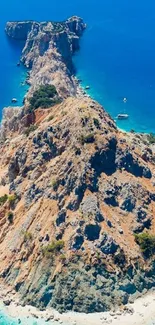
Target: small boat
122, 116
124, 99
14, 100
87, 87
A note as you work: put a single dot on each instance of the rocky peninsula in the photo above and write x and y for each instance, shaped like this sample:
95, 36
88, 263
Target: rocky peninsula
48, 51
77, 195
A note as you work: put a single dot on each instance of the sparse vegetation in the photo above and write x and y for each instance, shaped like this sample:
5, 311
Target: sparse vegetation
55, 183
10, 217
30, 129
146, 242
50, 118
12, 198
44, 97
27, 236
3, 199
53, 248
62, 258
151, 138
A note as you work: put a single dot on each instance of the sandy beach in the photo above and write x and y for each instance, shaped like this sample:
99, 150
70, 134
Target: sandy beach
141, 312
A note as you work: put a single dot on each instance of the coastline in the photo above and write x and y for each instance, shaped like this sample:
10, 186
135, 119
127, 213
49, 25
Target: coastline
141, 312
129, 314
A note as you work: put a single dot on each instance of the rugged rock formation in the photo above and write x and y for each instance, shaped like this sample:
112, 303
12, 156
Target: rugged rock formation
74, 190
48, 50
77, 183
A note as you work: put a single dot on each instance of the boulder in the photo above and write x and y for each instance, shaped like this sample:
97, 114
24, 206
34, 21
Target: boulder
107, 244
90, 207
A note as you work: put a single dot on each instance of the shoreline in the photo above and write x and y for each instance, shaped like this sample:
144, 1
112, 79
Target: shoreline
130, 314
141, 312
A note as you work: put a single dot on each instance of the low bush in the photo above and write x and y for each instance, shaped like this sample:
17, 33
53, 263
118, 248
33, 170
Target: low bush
151, 138
146, 242
30, 129
55, 183
12, 198
3, 199
62, 258
27, 236
53, 248
44, 97
50, 118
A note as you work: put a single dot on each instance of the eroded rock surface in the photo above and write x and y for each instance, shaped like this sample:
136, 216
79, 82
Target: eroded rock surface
74, 189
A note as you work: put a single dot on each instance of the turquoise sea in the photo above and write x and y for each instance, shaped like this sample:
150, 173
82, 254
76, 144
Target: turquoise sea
7, 320
117, 56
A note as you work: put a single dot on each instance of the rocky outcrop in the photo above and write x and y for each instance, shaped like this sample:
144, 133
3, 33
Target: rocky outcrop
48, 50
74, 190
79, 194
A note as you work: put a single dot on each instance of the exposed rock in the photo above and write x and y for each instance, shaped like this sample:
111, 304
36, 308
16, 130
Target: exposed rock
83, 189
90, 207
48, 51
92, 231
107, 244
61, 217
77, 241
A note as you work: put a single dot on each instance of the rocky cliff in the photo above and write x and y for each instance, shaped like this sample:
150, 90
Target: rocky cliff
48, 51
74, 193
77, 192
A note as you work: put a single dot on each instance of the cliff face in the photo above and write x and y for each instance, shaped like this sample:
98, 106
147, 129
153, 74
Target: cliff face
79, 190
74, 190
48, 50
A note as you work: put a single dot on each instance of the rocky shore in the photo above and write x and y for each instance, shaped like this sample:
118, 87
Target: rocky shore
141, 312
75, 192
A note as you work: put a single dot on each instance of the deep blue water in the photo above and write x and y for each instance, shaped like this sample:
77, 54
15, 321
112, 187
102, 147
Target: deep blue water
117, 56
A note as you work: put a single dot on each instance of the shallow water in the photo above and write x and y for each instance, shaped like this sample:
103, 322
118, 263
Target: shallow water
7, 320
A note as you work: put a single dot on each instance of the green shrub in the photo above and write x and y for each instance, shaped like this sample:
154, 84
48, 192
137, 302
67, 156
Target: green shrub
30, 129
10, 217
53, 248
44, 97
55, 183
51, 117
146, 243
12, 198
62, 258
27, 236
151, 138
3, 199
